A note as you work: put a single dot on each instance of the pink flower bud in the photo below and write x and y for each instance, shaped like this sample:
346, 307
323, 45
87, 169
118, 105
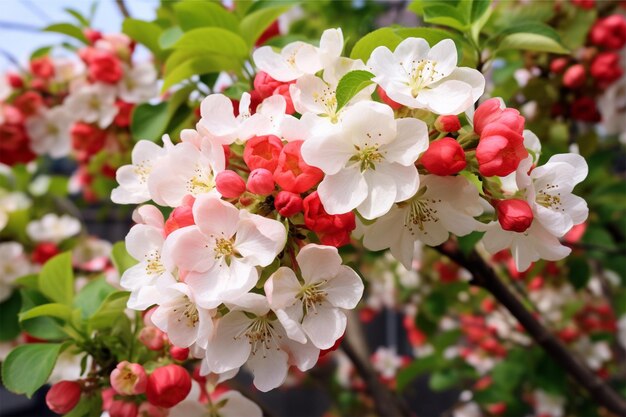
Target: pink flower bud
288, 203
128, 378
514, 215
230, 184
292, 173
264, 84
609, 32
574, 77
262, 152
121, 408
447, 123
606, 69
444, 157
558, 65
63, 396
385, 98
105, 67
499, 151
148, 410
178, 353
152, 338
492, 111
181, 216
168, 385
261, 182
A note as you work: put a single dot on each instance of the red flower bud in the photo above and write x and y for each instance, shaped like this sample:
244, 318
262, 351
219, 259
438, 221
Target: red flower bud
265, 85
29, 103
605, 68
105, 67
181, 216
558, 65
148, 410
283, 90
262, 152
491, 112
288, 204
44, 251
449, 123
120, 408
385, 98
42, 67
261, 181
271, 31
609, 32
87, 138
332, 229
444, 157
514, 215
178, 353
168, 385
230, 184
63, 396
92, 35
574, 77
499, 151
292, 173
15, 80
585, 110
152, 338
124, 112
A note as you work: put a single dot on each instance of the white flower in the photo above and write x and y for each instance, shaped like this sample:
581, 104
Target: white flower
222, 250
228, 404
470, 409
549, 191
185, 170
93, 103
368, 161
13, 264
50, 132
67, 69
387, 362
10, 202
421, 77
299, 58
218, 121
53, 228
249, 334
526, 247
315, 307
548, 404
181, 318
595, 353
133, 179
139, 83
443, 205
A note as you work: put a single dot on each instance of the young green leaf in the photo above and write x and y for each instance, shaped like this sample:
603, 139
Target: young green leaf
350, 85
56, 310
380, 37
110, 310
56, 279
28, 367
146, 33
254, 24
149, 121
9, 308
193, 15
67, 29
121, 258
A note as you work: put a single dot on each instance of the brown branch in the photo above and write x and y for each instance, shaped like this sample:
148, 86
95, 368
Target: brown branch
484, 276
123, 9
385, 402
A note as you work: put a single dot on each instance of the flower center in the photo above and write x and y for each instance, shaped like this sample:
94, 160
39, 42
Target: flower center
224, 248
261, 336
188, 312
142, 170
328, 100
551, 201
153, 263
422, 74
420, 212
367, 157
312, 296
202, 182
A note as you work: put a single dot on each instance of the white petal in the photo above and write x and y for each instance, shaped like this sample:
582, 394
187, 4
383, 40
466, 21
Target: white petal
259, 239
324, 325
228, 349
318, 262
447, 97
343, 191
345, 289
382, 193
214, 216
281, 288
411, 140
269, 368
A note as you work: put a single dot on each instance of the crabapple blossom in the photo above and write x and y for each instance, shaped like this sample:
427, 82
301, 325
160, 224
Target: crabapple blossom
53, 228
128, 378
421, 77
138, 83
369, 162
443, 205
93, 103
221, 256
314, 309
13, 264
50, 132
133, 179
229, 184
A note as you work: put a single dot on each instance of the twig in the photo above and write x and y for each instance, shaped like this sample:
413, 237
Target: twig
385, 402
484, 276
123, 9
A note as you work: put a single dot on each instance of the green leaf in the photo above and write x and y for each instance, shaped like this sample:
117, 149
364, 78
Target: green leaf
479, 8
89, 405
254, 24
82, 20
445, 15
444, 379
110, 310
121, 258
59, 311
579, 272
41, 327
56, 279
468, 242
532, 42
197, 64
39, 52
418, 367
380, 37
9, 325
350, 85
217, 40
28, 367
435, 304
149, 121
67, 29
146, 33
169, 37
193, 15
90, 297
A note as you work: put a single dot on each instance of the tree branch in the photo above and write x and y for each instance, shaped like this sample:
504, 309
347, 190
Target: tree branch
385, 402
123, 9
484, 276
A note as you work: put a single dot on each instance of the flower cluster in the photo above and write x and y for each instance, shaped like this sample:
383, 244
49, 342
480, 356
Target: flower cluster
76, 107
245, 269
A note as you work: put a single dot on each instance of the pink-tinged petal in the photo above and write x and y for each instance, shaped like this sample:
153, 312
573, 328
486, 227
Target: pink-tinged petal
143, 240
281, 288
189, 249
215, 217
229, 348
237, 405
269, 367
218, 116
324, 325
382, 193
149, 215
243, 278
135, 277
345, 289
143, 298
259, 239
343, 191
318, 263
292, 327
207, 287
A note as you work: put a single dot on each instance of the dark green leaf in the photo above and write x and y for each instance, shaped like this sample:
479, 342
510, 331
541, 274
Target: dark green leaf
350, 85
146, 33
579, 272
56, 279
9, 325
28, 367
255, 23
467, 243
192, 15
418, 367
110, 310
90, 297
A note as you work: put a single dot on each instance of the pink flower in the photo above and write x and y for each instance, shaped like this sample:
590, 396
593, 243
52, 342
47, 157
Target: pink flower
120, 408
128, 378
168, 385
499, 151
42, 67
444, 157
105, 67
229, 184
492, 111
574, 77
152, 338
265, 85
63, 396
261, 182
287, 203
292, 173
181, 216
332, 229
514, 215
262, 152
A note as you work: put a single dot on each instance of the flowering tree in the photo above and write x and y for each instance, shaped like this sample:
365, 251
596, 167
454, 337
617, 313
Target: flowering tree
270, 203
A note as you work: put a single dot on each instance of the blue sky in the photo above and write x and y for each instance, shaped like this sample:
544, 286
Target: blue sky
40, 13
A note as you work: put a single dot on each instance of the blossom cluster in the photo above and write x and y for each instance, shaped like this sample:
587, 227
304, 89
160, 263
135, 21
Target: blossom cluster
75, 106
245, 269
